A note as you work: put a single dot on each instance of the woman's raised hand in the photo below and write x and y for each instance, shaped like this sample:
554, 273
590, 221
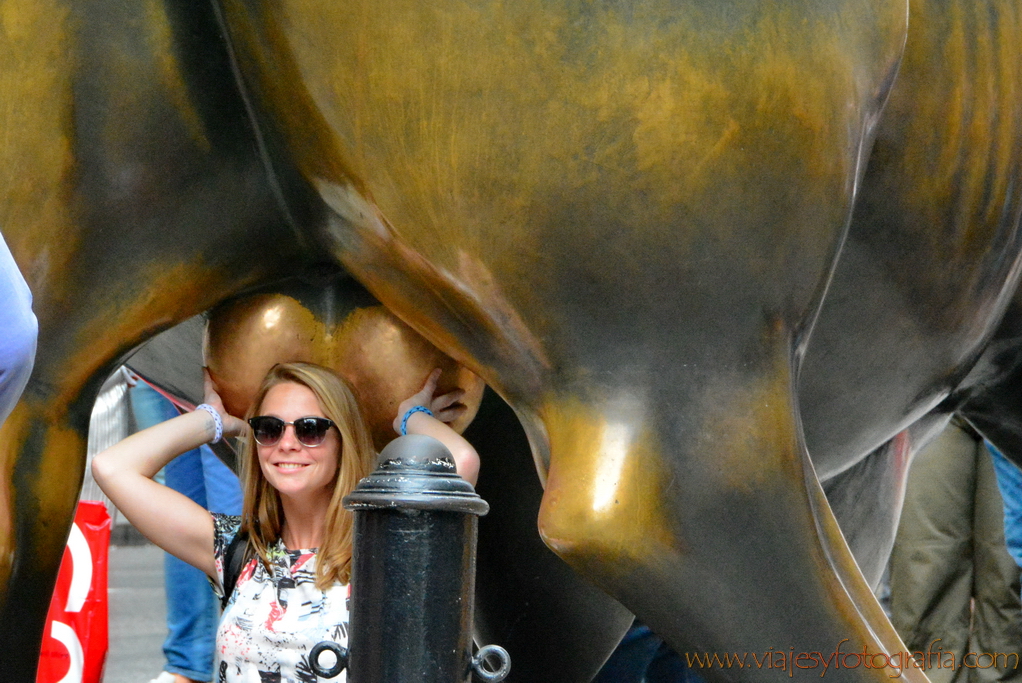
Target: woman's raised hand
445, 407
233, 426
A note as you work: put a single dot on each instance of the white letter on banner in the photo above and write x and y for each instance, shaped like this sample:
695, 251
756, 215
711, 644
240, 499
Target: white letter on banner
81, 570
66, 635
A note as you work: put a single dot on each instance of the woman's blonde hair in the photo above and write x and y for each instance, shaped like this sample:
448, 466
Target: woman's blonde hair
262, 515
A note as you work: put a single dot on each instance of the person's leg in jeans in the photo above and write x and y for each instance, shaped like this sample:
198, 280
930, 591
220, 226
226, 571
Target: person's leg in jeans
644, 657
1009, 481
631, 658
192, 610
668, 667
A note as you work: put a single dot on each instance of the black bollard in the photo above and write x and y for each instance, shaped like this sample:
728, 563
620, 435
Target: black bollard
413, 572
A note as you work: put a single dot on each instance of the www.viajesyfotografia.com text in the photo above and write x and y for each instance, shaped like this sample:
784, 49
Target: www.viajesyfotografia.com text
790, 661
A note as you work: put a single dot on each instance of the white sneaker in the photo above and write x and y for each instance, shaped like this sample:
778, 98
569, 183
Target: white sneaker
165, 677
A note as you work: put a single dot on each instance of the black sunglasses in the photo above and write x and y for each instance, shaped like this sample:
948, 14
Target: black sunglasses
310, 431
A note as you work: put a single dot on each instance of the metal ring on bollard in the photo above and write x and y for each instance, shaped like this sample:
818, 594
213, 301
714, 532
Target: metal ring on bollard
483, 668
339, 652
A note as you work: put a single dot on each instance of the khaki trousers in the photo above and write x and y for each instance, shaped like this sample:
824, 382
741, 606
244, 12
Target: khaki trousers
953, 584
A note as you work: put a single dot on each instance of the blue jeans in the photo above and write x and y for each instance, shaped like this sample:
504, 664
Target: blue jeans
644, 657
1009, 481
192, 608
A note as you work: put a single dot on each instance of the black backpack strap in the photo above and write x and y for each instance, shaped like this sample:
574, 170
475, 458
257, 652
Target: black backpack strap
234, 561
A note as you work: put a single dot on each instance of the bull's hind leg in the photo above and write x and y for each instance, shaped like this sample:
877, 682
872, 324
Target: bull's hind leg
132, 196
622, 216
696, 505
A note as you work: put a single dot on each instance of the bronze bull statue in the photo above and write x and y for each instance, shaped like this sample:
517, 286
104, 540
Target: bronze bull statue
689, 242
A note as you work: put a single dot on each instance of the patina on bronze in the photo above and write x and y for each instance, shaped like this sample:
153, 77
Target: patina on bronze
563, 197
330, 320
623, 217
132, 197
931, 259
928, 267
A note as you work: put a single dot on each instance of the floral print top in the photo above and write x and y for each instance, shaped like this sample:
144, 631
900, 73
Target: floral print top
273, 619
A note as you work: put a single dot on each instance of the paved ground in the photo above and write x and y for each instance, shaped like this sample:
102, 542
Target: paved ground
137, 621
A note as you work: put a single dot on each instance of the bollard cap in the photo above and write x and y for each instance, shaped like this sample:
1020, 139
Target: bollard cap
416, 472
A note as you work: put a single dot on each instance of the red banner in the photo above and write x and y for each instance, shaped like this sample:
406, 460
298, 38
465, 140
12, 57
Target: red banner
75, 640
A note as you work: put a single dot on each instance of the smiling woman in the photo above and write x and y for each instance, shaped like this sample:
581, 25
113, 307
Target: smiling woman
294, 476
309, 448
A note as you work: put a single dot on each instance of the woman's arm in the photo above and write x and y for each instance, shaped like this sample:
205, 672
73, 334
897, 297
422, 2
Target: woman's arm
465, 457
169, 519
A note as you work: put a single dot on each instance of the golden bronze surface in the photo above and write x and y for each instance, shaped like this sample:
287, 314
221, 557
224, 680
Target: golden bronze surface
930, 261
130, 197
382, 357
558, 195
624, 217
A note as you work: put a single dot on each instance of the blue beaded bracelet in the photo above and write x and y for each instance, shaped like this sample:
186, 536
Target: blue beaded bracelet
216, 420
412, 411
